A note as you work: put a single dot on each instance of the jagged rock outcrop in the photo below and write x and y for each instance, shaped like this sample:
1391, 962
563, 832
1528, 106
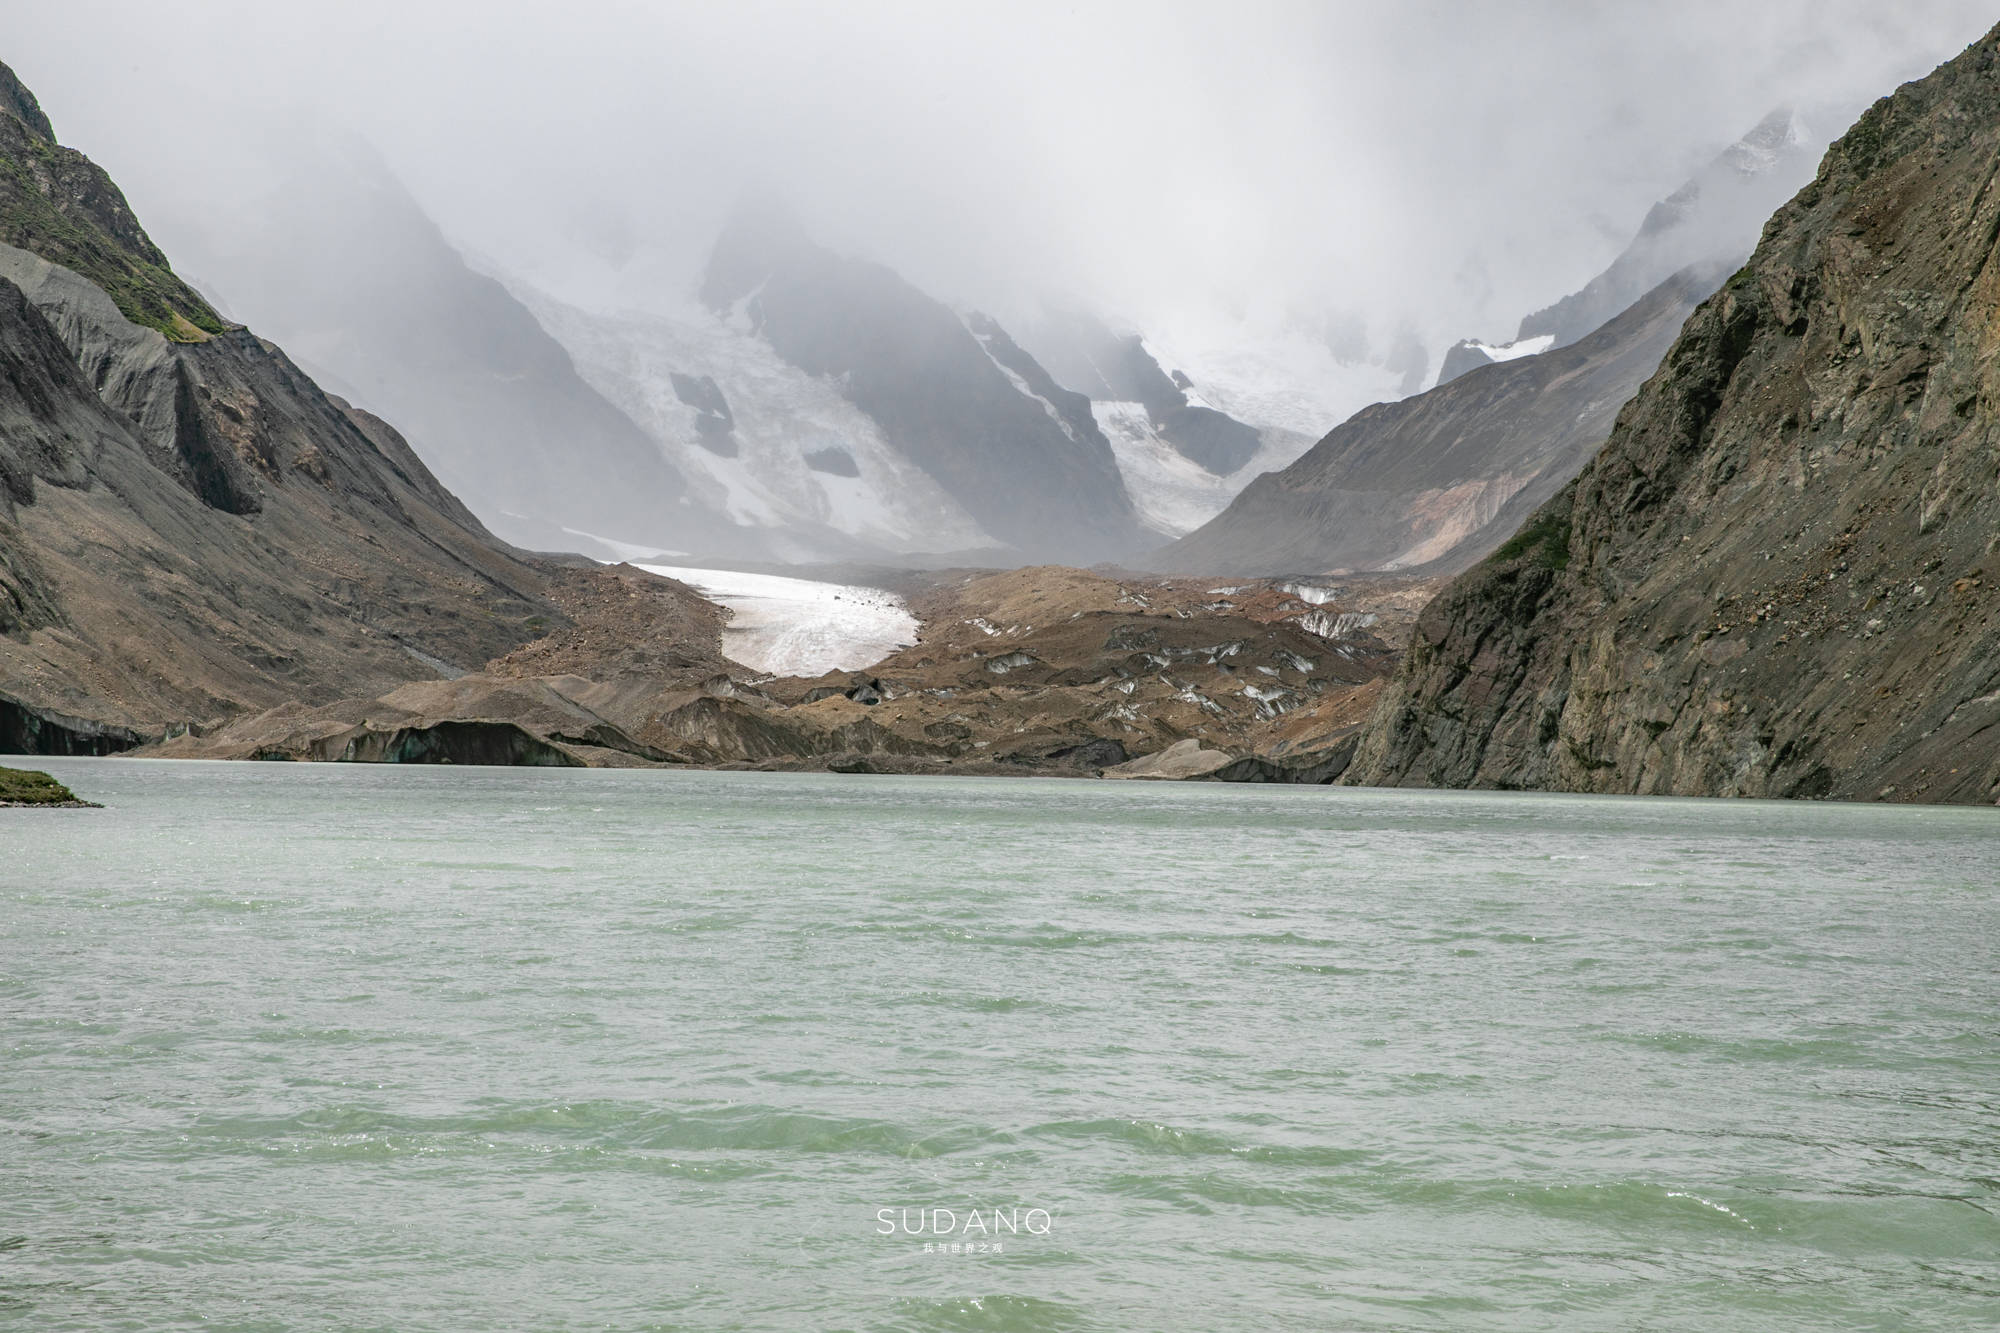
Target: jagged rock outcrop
958, 397
1438, 480
1778, 578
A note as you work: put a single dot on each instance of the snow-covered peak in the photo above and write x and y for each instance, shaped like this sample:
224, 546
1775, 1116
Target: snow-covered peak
1520, 347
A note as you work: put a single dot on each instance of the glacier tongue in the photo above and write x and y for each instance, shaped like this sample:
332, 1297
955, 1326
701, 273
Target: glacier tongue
801, 627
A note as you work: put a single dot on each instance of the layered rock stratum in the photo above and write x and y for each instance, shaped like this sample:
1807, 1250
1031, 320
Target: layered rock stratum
1778, 576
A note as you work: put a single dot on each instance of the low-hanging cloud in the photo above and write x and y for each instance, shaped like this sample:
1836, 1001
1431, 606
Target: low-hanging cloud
1437, 167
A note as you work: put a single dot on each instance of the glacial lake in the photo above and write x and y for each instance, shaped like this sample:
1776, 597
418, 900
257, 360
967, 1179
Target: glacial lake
332, 1047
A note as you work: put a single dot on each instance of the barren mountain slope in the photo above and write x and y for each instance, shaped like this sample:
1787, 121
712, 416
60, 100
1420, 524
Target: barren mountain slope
1438, 480
1778, 577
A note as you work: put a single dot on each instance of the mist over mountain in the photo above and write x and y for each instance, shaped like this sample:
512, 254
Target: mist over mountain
1282, 173
782, 452
1436, 481
327, 250
189, 526
952, 393
195, 528
1440, 480
1711, 222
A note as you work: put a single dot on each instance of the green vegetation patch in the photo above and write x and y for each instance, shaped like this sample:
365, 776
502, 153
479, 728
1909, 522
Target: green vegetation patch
1545, 537
146, 292
26, 787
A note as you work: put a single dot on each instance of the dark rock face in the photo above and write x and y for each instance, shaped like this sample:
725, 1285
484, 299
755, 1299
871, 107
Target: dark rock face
702, 393
1462, 356
1436, 481
25, 730
495, 743
1219, 443
834, 461
1313, 768
18, 102
1072, 410
1778, 577
958, 398
49, 422
715, 427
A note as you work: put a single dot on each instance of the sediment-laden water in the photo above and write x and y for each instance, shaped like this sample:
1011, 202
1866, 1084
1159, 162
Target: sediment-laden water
423, 1048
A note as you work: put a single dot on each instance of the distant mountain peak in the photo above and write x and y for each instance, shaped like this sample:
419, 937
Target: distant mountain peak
1714, 217
1767, 144
761, 232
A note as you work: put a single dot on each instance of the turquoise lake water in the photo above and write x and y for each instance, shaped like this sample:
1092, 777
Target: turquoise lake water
314, 1047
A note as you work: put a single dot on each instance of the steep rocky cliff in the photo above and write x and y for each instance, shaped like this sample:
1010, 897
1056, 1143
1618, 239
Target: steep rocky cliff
1778, 578
1440, 479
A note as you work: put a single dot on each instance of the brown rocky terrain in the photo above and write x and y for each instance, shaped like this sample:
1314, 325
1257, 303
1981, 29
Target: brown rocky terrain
1065, 669
1779, 576
1047, 670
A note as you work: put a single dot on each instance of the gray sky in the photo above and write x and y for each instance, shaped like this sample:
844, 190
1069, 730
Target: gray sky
1445, 167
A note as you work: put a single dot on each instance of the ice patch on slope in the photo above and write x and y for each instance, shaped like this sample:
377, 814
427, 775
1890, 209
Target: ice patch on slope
1174, 494
801, 627
620, 550
1514, 350
1020, 382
